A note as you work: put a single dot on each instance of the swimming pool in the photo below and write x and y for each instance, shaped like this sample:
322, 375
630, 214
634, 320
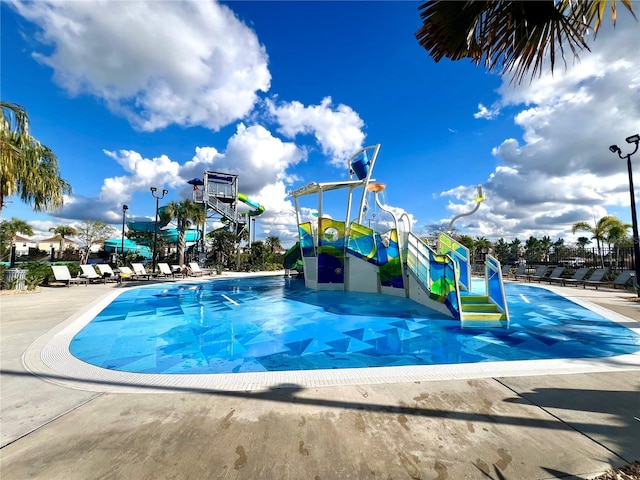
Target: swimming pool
276, 324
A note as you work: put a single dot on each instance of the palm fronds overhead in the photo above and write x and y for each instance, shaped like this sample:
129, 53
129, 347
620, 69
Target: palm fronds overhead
511, 36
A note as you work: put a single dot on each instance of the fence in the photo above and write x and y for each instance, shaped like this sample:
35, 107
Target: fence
614, 258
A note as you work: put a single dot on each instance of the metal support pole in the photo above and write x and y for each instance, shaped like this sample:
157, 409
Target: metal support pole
634, 219
634, 223
155, 227
124, 213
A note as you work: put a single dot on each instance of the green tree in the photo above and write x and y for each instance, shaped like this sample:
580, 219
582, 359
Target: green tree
545, 247
533, 249
93, 233
599, 230
615, 236
223, 247
258, 255
273, 243
481, 246
501, 250
62, 232
511, 36
9, 229
28, 169
186, 213
515, 247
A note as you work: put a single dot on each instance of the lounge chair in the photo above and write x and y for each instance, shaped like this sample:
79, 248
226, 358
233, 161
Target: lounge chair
506, 270
623, 279
90, 274
578, 277
538, 274
139, 270
555, 275
521, 271
126, 272
595, 278
107, 273
197, 271
165, 271
62, 274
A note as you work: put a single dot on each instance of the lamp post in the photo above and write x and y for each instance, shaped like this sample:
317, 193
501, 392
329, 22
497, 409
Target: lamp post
635, 139
155, 228
124, 213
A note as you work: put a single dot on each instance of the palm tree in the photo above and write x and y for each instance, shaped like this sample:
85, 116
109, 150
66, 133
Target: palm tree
273, 243
62, 231
186, 213
598, 231
9, 229
508, 36
615, 235
481, 246
27, 168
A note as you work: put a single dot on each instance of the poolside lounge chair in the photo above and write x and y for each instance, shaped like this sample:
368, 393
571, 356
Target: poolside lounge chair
126, 272
506, 270
555, 275
90, 274
165, 271
139, 270
623, 279
62, 274
578, 276
595, 278
521, 271
538, 274
197, 271
107, 273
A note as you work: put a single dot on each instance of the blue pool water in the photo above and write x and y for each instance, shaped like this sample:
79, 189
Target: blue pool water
272, 323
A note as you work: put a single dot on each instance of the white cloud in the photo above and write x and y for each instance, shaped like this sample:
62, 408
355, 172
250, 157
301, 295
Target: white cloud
259, 159
338, 130
156, 63
561, 171
486, 113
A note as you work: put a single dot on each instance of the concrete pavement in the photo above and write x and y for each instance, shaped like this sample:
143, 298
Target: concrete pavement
525, 427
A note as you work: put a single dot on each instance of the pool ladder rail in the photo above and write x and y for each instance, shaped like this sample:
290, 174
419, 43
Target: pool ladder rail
479, 311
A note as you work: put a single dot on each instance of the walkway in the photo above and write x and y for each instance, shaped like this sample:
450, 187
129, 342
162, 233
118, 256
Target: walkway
527, 427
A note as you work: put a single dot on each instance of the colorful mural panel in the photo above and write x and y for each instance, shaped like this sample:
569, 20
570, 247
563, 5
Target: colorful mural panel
330, 251
305, 230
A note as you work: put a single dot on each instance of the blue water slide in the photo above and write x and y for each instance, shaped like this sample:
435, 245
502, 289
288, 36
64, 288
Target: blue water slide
115, 245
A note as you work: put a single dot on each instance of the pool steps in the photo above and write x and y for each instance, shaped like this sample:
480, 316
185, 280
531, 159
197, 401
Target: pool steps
478, 308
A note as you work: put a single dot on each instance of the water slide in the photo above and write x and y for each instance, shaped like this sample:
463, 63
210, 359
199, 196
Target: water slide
169, 235
293, 259
259, 209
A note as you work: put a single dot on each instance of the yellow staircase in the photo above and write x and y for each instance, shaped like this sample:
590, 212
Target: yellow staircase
477, 310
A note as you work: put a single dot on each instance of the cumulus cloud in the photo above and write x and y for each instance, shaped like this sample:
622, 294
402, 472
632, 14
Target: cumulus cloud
155, 63
486, 113
259, 159
561, 170
338, 130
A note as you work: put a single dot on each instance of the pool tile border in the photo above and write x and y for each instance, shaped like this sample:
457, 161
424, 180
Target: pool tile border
49, 358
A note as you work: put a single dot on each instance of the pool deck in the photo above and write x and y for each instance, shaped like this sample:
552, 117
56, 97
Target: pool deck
497, 426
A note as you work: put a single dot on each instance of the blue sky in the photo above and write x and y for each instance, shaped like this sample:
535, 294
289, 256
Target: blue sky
131, 95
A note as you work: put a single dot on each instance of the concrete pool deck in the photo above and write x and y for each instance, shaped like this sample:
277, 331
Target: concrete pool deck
518, 427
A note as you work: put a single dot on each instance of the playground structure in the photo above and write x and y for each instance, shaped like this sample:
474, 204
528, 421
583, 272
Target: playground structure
218, 192
349, 255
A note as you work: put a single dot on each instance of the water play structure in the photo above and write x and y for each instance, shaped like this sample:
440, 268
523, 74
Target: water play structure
364, 254
219, 194
221, 198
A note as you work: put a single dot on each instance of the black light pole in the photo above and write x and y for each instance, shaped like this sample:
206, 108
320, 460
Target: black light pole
124, 213
155, 227
634, 219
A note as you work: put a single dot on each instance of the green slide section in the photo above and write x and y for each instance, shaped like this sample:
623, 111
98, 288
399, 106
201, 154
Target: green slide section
292, 258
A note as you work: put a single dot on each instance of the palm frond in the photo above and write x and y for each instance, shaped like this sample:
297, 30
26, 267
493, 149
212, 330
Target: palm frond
510, 36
